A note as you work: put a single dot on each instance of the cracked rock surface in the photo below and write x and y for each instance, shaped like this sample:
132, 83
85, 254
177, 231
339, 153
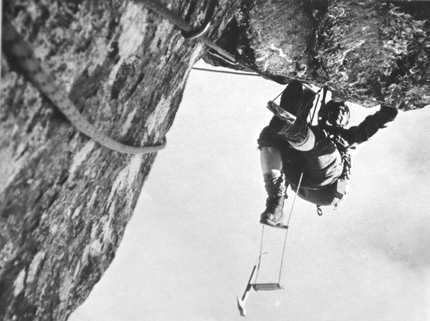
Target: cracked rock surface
367, 52
65, 200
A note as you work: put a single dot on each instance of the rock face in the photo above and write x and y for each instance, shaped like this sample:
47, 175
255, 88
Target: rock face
64, 199
275, 37
373, 52
368, 52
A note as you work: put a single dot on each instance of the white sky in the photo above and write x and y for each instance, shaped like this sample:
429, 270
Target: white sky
194, 237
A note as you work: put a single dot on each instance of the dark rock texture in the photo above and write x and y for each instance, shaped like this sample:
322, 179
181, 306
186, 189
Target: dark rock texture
276, 37
65, 200
372, 52
368, 52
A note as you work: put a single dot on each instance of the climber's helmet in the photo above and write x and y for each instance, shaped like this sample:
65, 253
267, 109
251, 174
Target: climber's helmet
338, 113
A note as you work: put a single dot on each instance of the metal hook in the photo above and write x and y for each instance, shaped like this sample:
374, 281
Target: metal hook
198, 32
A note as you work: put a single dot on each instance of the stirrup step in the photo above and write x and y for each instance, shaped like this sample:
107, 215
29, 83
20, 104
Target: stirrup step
280, 225
267, 286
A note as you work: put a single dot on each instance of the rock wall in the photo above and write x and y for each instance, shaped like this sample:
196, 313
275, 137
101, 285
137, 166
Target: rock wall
64, 199
373, 52
368, 52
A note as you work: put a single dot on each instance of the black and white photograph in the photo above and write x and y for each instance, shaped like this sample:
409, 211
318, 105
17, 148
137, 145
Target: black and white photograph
214, 160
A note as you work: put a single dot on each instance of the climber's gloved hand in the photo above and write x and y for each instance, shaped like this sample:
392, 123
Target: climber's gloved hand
387, 114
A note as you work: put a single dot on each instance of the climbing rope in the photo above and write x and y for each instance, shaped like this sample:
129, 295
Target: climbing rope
227, 72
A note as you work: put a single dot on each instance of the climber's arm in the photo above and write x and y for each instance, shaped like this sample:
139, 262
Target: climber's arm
370, 126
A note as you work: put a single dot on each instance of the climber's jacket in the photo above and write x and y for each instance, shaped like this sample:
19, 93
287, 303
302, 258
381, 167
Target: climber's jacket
346, 139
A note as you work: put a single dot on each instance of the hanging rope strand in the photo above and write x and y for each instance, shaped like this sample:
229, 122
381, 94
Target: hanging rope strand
227, 72
307, 104
315, 109
288, 224
261, 253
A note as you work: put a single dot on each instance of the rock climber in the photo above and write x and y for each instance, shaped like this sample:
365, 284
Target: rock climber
289, 146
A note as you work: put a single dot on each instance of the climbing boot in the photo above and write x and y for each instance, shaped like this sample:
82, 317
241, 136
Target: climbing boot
291, 102
297, 100
293, 111
297, 133
295, 130
276, 188
292, 97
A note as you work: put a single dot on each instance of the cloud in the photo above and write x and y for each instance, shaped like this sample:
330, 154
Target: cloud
407, 245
